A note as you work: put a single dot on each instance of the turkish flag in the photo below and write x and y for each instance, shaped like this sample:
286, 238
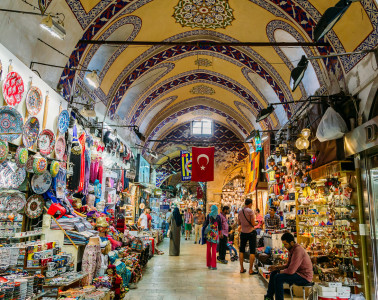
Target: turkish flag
203, 164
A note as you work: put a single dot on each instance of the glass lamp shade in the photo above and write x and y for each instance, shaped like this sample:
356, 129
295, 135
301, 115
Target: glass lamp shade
299, 143
306, 143
306, 132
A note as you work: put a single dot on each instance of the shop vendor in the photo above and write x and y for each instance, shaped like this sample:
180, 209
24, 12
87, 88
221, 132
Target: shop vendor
298, 270
272, 220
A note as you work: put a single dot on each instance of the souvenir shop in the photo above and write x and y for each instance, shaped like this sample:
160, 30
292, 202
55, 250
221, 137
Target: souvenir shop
315, 193
67, 198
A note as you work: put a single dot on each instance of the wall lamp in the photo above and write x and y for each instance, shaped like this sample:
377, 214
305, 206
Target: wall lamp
330, 17
91, 77
298, 72
266, 112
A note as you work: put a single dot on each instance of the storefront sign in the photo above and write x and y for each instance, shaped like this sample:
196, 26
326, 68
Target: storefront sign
186, 166
131, 174
362, 138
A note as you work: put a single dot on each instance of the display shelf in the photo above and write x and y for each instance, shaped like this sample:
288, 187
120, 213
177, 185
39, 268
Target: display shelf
27, 235
66, 283
40, 295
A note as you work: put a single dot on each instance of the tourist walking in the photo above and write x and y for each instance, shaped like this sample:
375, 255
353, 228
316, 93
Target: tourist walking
175, 222
199, 219
188, 217
212, 228
248, 234
223, 237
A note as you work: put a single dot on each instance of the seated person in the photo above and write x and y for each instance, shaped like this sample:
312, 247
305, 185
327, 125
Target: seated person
298, 269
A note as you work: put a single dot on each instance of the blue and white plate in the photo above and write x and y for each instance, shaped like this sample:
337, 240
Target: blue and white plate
63, 121
11, 124
41, 182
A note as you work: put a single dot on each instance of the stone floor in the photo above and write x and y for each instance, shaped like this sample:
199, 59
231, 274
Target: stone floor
187, 277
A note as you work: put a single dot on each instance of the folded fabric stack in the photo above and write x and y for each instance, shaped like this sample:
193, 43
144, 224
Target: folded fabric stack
79, 238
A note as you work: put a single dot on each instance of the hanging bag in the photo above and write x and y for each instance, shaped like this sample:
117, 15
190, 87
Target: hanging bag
331, 127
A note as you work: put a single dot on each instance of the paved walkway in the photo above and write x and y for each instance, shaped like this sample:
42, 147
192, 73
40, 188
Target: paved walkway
187, 277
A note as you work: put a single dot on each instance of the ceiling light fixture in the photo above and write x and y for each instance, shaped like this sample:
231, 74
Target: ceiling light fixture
139, 134
330, 17
264, 113
93, 79
88, 111
297, 73
56, 28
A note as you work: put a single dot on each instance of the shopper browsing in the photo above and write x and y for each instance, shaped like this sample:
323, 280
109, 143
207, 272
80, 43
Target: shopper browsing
272, 220
167, 215
188, 217
143, 220
260, 221
246, 219
223, 238
212, 228
175, 222
298, 269
149, 218
199, 219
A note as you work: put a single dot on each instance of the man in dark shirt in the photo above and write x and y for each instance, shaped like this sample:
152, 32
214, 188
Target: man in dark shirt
272, 220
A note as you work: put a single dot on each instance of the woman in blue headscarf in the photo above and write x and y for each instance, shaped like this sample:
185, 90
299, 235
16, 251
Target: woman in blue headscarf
175, 222
213, 226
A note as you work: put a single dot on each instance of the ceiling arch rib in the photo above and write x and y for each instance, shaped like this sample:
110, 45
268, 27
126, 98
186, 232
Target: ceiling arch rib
243, 125
191, 77
225, 50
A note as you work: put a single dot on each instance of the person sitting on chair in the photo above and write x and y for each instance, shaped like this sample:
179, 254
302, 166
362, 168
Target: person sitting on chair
298, 269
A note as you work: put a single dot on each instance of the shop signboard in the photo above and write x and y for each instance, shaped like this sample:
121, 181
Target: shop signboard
164, 208
186, 166
361, 138
143, 170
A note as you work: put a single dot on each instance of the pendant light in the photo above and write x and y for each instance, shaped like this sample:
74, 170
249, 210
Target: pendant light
264, 113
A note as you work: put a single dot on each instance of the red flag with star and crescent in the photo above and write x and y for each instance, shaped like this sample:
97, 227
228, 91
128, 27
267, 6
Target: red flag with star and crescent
203, 164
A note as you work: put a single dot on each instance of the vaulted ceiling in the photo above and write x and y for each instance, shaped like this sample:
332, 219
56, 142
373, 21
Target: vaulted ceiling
161, 87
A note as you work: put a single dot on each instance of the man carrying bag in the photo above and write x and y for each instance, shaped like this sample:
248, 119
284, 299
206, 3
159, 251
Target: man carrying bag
248, 234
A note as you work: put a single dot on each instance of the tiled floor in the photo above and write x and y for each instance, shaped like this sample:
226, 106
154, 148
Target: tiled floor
187, 277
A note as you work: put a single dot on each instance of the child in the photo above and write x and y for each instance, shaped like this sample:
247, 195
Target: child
233, 253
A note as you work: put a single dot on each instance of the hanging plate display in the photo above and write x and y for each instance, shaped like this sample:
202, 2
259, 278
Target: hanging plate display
29, 164
39, 165
15, 203
30, 133
63, 121
13, 88
10, 124
21, 175
60, 147
46, 142
34, 101
3, 151
41, 182
54, 168
21, 157
34, 206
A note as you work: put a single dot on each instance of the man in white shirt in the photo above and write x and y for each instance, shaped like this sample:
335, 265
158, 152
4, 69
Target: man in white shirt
143, 221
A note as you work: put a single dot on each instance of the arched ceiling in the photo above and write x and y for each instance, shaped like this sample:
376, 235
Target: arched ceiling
161, 88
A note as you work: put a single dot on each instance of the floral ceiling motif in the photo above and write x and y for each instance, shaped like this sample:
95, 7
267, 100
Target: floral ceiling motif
211, 14
203, 62
202, 90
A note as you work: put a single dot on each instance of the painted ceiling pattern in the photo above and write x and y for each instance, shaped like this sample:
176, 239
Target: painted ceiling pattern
234, 97
211, 14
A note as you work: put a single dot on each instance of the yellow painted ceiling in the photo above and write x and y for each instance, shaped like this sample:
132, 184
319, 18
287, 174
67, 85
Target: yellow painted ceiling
88, 5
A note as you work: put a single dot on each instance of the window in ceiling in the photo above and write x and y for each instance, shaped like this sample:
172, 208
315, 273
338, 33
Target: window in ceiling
202, 127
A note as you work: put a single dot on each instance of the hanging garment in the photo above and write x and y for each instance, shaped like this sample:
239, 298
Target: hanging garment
91, 263
75, 159
100, 171
82, 165
87, 171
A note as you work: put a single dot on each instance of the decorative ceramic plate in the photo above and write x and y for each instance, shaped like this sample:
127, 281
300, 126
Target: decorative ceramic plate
31, 130
54, 168
60, 147
3, 151
10, 123
46, 142
21, 156
29, 164
34, 206
63, 121
13, 88
40, 183
39, 165
15, 203
34, 101
21, 175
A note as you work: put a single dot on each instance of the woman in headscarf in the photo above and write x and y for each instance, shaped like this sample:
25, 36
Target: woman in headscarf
213, 226
175, 222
